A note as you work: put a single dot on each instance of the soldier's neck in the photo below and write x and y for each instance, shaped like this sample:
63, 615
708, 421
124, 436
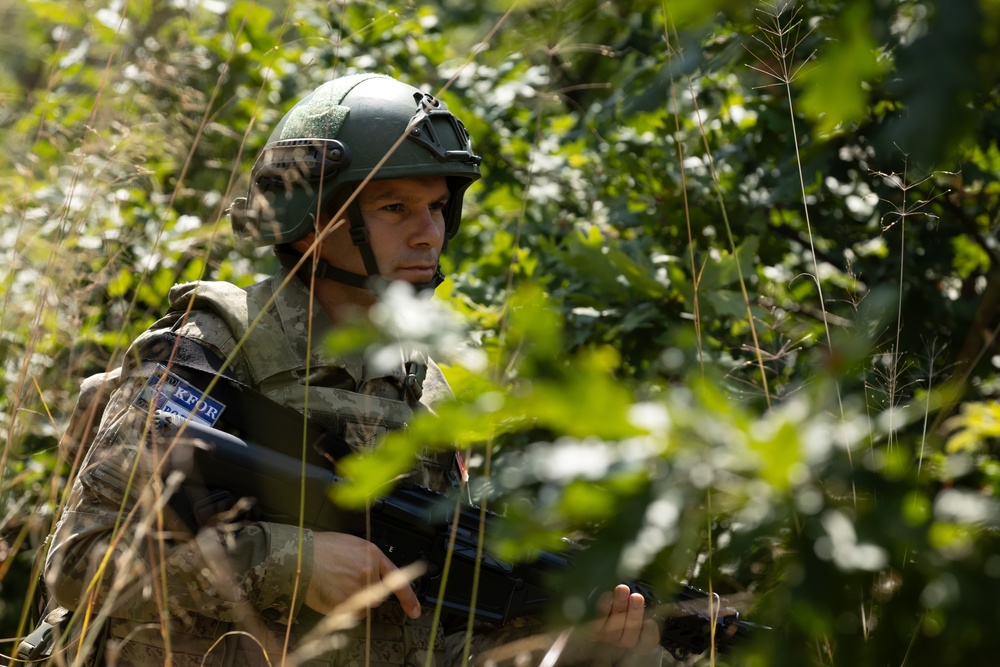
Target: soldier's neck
342, 303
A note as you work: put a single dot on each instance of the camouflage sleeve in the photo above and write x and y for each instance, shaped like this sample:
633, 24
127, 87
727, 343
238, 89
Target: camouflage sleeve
118, 543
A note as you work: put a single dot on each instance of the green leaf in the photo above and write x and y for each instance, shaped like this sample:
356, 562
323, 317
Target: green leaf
534, 324
120, 285
722, 269
610, 270
835, 90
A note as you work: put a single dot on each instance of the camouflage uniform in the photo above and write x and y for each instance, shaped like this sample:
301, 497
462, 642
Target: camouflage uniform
229, 594
172, 595
232, 592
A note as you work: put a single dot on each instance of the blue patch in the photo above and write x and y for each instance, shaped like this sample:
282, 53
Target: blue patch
165, 391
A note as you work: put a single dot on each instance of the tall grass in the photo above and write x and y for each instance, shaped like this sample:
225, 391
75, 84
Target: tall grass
586, 176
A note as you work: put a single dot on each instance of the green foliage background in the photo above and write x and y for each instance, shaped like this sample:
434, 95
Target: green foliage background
733, 266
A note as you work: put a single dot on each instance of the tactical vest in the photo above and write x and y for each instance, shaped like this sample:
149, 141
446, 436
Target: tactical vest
248, 328
360, 413
350, 398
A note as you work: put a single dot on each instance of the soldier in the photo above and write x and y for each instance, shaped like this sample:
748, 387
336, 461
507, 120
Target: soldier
362, 181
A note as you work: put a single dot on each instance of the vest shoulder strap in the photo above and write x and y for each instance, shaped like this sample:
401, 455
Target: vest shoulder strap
256, 329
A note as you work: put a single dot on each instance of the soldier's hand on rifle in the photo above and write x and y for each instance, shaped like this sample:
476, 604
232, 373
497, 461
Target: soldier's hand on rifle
621, 622
344, 565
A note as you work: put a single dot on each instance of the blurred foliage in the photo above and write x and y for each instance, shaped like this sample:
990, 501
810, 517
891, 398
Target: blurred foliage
732, 268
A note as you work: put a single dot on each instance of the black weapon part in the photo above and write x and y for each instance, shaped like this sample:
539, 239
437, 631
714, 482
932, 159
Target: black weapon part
410, 524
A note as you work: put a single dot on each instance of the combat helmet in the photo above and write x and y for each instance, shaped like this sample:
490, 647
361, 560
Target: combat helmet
329, 142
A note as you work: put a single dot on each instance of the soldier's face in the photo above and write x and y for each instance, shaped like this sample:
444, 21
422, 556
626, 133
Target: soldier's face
406, 227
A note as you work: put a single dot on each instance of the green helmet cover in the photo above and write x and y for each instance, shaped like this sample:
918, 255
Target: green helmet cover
336, 136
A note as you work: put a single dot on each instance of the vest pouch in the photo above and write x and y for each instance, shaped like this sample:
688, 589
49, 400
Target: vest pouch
359, 419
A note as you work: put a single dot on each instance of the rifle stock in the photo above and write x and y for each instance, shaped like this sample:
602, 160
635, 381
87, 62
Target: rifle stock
410, 524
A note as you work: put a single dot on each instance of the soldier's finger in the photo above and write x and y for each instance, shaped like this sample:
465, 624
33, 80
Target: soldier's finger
632, 624
610, 626
407, 598
603, 606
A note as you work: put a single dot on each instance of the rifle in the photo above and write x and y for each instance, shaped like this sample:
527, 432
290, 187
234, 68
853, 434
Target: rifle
412, 523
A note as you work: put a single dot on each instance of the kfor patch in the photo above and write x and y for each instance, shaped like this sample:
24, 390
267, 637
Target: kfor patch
168, 392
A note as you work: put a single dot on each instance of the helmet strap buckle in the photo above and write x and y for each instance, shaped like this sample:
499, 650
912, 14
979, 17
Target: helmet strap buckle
359, 235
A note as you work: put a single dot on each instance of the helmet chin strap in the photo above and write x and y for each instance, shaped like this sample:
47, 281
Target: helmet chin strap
323, 270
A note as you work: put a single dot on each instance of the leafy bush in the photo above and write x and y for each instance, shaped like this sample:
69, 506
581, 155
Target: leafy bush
732, 269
